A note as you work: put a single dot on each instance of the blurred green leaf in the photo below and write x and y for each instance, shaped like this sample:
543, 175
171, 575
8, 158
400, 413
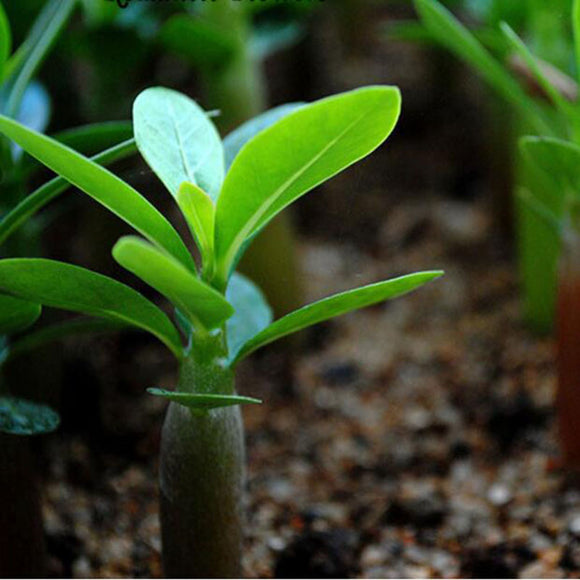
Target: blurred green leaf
5, 40
50, 190
522, 50
252, 313
69, 287
450, 33
335, 306
560, 162
200, 402
90, 139
235, 140
202, 44
194, 298
178, 141
34, 110
25, 62
16, 314
576, 30
21, 417
33, 340
270, 37
101, 185
292, 157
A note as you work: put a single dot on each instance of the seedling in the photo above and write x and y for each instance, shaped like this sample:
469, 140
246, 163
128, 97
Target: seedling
542, 108
222, 315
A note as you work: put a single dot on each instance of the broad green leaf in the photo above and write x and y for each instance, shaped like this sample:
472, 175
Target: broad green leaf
292, 157
178, 141
199, 42
5, 40
199, 212
462, 43
33, 340
203, 402
24, 64
235, 140
16, 314
335, 306
46, 193
194, 298
69, 287
101, 185
252, 313
22, 417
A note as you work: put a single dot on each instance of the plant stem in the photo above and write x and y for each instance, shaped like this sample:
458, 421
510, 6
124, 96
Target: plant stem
202, 474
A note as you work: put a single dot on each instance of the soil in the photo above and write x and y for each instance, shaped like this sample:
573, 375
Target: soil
413, 439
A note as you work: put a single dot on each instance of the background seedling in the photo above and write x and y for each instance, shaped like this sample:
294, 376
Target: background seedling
542, 109
222, 315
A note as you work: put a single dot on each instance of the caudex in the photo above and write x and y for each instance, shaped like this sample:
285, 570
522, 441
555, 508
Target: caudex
222, 315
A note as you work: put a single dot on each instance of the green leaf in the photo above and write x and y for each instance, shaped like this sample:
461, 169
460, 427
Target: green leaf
24, 64
33, 340
522, 50
199, 212
462, 43
335, 306
11, 221
560, 162
576, 29
203, 402
101, 185
73, 288
178, 141
235, 140
90, 139
292, 157
5, 40
540, 210
202, 44
194, 298
16, 314
21, 417
252, 313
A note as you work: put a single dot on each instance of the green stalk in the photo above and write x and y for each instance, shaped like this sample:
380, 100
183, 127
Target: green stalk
202, 473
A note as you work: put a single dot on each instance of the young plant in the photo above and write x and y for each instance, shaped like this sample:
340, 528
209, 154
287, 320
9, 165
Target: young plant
554, 165
543, 108
222, 315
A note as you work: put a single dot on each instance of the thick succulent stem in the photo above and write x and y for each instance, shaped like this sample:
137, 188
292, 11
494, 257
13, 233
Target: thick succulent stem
202, 477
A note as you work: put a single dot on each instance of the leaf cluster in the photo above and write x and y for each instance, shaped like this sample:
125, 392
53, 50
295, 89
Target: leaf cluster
271, 162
